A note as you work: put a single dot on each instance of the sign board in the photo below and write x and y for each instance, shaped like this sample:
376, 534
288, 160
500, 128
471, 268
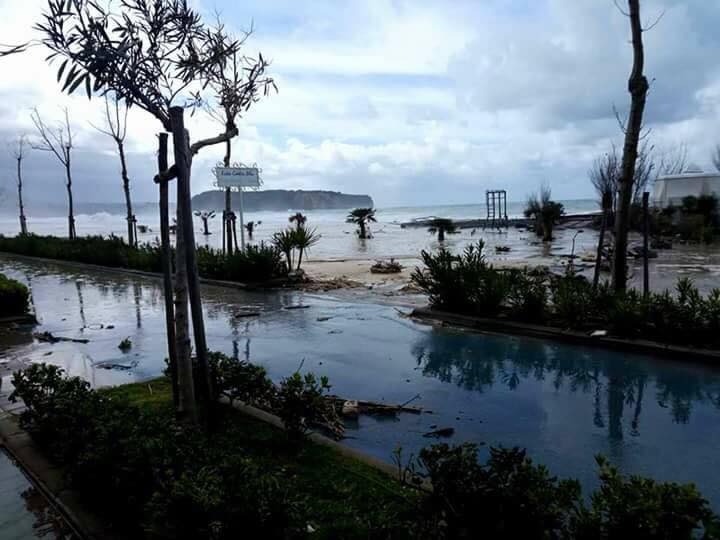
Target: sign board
237, 177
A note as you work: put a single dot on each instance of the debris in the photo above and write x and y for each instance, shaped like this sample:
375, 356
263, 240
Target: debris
243, 314
386, 267
350, 408
125, 344
298, 306
599, 333
371, 407
49, 338
110, 327
323, 319
443, 432
335, 331
502, 249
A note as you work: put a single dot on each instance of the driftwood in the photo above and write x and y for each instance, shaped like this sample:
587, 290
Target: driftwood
354, 407
49, 338
443, 432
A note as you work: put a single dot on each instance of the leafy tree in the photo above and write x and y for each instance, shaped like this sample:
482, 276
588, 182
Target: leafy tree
361, 217
159, 56
441, 227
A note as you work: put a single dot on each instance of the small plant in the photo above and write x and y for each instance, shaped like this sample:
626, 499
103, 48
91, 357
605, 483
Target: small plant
125, 345
14, 297
301, 403
240, 380
205, 217
300, 239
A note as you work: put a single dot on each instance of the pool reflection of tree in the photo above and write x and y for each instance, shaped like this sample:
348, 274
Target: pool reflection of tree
477, 363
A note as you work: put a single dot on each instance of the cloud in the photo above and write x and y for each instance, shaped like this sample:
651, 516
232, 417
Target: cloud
412, 102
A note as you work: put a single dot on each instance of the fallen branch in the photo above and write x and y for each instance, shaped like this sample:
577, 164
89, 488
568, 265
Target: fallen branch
352, 407
49, 338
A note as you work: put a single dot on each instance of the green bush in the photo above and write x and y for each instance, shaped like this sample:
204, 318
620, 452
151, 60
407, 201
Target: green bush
301, 403
528, 297
464, 283
240, 380
14, 297
255, 264
572, 299
149, 471
510, 497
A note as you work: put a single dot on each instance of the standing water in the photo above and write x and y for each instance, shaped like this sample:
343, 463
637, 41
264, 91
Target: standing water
565, 404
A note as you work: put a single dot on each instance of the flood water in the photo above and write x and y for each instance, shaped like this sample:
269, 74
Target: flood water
565, 404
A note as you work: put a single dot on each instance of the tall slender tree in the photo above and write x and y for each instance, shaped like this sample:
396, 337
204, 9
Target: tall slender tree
116, 114
19, 155
638, 87
153, 55
237, 84
59, 142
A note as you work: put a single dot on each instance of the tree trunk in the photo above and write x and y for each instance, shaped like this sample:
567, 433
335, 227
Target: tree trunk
206, 231
228, 203
167, 267
132, 240
68, 176
23, 222
183, 162
363, 235
598, 256
300, 258
646, 247
441, 235
187, 405
638, 87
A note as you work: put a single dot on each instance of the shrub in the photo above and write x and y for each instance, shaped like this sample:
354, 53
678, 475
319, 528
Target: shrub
14, 297
301, 403
528, 297
627, 314
641, 508
241, 380
572, 299
464, 283
508, 497
255, 264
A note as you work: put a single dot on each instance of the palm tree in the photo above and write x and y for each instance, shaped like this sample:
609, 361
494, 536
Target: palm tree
250, 227
285, 242
545, 212
441, 226
304, 239
205, 216
298, 218
361, 217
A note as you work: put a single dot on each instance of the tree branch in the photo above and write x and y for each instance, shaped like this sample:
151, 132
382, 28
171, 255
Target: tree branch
198, 145
166, 176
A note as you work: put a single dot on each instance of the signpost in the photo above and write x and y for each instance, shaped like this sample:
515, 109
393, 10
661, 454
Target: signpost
238, 177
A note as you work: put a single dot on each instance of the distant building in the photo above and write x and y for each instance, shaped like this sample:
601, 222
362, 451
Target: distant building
671, 189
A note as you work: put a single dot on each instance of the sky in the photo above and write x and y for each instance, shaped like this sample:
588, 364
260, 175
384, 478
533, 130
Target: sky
413, 102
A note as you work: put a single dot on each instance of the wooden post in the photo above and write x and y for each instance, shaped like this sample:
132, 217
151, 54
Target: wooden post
23, 221
183, 161
167, 265
646, 247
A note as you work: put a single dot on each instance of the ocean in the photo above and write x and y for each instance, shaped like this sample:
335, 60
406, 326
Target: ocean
338, 238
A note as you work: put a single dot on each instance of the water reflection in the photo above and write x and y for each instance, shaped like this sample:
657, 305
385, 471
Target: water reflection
614, 383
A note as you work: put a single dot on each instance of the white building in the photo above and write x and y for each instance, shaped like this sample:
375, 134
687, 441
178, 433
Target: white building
670, 189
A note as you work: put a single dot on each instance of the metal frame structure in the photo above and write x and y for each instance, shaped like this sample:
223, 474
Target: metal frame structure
496, 204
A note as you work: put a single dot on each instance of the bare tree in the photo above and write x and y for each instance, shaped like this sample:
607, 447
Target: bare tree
716, 157
604, 177
646, 171
58, 141
673, 160
19, 155
155, 55
116, 128
236, 85
638, 87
